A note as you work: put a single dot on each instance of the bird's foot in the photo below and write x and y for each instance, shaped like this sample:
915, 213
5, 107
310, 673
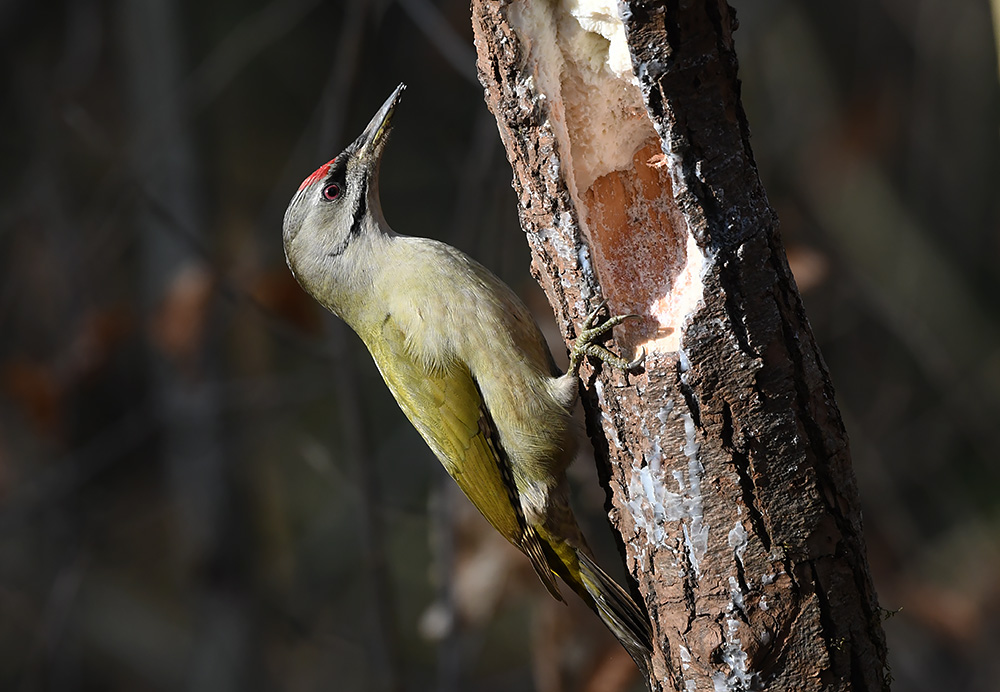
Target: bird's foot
590, 331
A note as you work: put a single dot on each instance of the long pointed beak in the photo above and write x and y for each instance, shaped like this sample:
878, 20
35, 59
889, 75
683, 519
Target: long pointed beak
369, 145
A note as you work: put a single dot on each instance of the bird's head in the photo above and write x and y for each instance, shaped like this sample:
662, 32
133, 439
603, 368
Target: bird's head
337, 205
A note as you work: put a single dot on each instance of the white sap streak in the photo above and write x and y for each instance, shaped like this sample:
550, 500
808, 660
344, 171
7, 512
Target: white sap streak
738, 541
695, 529
738, 679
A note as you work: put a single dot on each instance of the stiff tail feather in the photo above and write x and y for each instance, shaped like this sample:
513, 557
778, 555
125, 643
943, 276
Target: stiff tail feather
618, 611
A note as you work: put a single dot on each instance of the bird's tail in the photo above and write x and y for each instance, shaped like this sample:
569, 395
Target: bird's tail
604, 596
619, 612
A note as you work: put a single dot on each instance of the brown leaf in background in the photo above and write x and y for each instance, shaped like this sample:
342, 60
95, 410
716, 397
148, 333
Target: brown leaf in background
276, 291
179, 322
41, 387
809, 267
37, 390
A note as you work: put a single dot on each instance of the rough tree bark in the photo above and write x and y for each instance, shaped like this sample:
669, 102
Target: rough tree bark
728, 465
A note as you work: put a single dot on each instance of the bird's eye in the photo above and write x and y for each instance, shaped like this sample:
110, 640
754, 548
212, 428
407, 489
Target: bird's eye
331, 191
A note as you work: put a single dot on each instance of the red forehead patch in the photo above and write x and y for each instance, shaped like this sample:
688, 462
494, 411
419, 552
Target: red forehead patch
316, 175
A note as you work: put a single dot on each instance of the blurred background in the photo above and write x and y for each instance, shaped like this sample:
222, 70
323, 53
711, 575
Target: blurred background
204, 484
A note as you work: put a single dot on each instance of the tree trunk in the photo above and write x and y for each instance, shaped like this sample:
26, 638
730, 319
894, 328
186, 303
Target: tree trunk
728, 467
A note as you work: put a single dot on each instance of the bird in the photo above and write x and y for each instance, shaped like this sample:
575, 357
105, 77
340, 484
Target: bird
467, 364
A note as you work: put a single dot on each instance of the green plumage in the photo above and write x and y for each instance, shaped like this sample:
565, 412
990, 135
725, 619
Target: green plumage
440, 396
467, 365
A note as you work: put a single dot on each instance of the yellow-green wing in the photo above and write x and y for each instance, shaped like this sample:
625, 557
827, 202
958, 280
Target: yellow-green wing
446, 407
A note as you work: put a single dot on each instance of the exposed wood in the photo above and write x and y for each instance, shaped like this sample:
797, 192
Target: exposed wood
727, 461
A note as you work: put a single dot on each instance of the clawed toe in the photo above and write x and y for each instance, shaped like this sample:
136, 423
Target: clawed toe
590, 331
594, 314
639, 360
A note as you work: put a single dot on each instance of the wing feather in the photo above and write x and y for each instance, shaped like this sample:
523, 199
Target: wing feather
445, 405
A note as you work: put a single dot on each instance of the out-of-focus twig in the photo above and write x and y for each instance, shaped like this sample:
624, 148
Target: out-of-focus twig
243, 43
188, 98
442, 36
940, 318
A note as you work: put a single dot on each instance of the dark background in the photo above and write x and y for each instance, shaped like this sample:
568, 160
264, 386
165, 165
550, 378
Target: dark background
204, 484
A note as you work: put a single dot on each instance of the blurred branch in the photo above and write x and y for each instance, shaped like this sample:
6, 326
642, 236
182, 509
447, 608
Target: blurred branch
923, 297
962, 401
331, 115
166, 171
243, 43
175, 291
182, 102
454, 49
906, 271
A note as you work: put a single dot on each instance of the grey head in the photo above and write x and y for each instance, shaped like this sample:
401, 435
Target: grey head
336, 206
